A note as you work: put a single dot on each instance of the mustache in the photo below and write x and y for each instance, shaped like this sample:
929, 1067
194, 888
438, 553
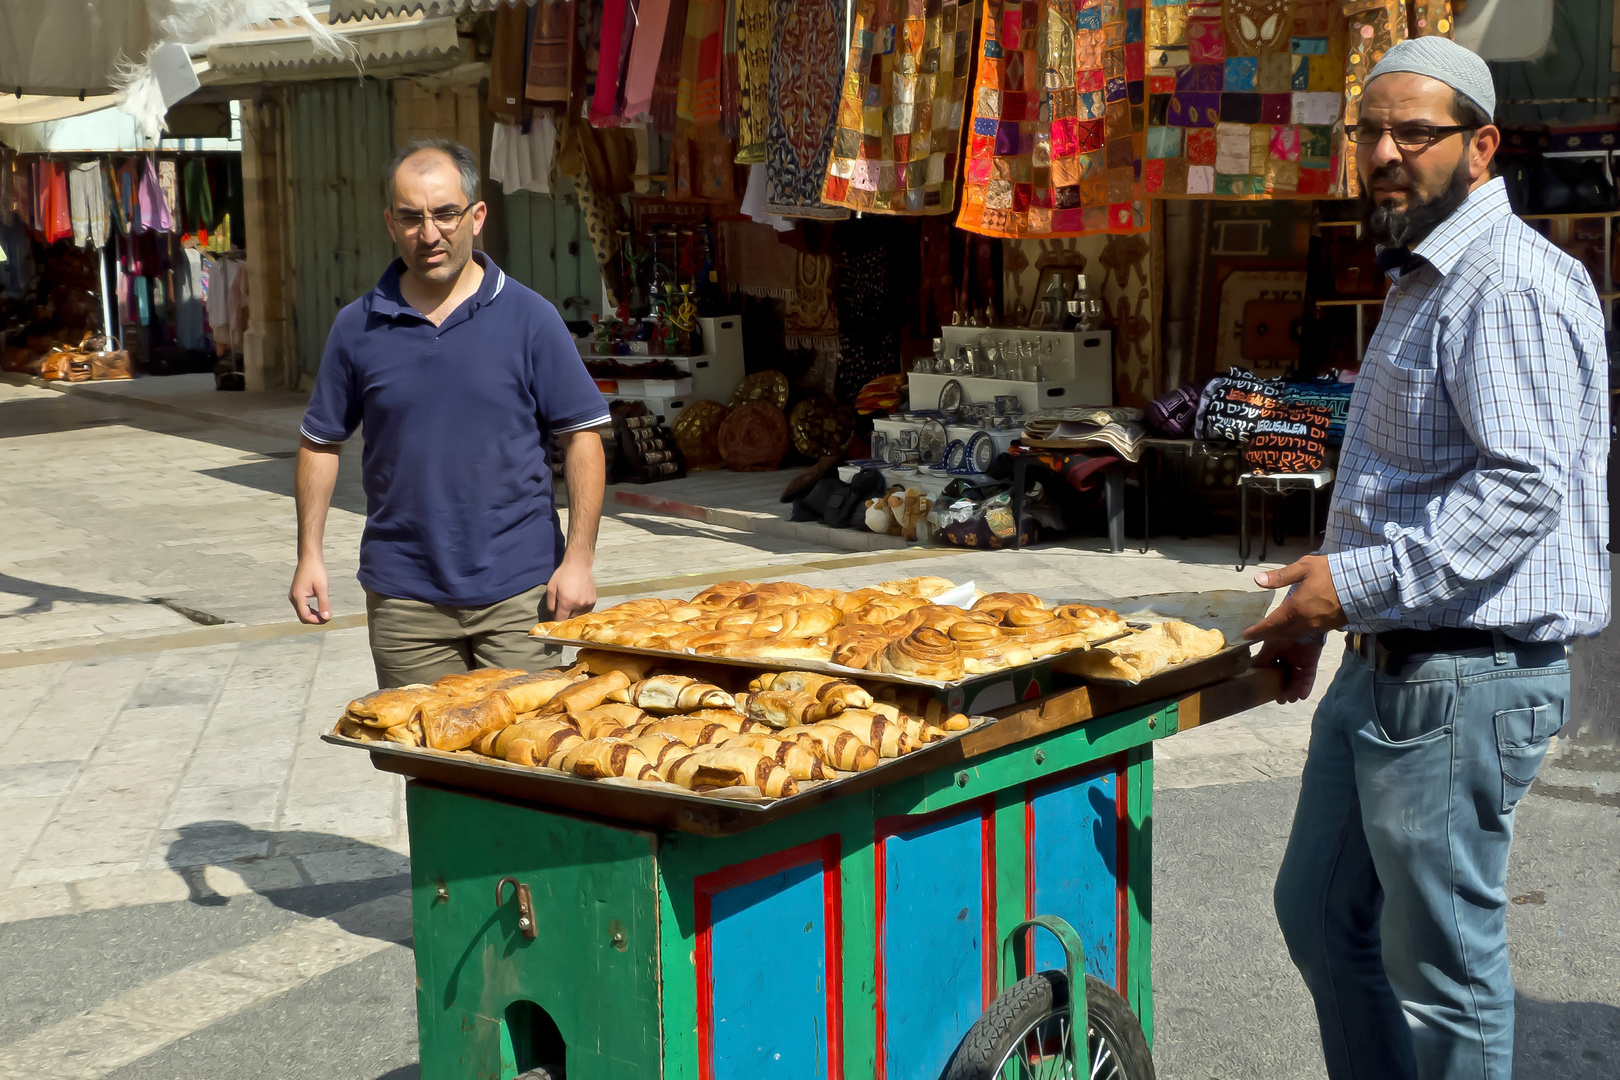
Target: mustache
1392, 173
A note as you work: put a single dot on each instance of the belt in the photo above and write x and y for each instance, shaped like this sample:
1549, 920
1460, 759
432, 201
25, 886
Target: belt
1391, 648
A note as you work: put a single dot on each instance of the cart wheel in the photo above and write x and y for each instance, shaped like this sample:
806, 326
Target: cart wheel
1025, 1035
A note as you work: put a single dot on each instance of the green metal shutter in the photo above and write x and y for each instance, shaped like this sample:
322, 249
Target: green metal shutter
340, 135
548, 250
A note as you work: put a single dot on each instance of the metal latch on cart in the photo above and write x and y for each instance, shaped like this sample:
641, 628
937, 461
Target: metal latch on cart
524, 902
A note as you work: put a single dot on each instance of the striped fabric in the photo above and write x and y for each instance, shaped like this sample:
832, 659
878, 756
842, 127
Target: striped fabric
1471, 488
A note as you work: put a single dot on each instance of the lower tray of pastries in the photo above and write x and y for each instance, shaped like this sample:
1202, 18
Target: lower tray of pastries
624, 718
893, 629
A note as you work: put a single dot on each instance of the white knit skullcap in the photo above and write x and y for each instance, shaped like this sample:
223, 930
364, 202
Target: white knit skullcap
1443, 59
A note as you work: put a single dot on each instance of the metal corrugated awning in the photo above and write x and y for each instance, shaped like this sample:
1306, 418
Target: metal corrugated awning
388, 40
351, 10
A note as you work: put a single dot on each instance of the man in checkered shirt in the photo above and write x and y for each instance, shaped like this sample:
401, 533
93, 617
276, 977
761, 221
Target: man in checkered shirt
1465, 548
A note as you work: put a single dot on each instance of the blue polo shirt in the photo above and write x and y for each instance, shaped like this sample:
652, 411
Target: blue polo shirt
459, 507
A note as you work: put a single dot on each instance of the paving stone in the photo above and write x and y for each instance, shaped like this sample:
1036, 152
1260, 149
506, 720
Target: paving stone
130, 890
35, 902
36, 780
24, 819
355, 864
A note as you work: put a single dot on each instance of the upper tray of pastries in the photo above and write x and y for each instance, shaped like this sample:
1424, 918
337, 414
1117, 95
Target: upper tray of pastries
894, 628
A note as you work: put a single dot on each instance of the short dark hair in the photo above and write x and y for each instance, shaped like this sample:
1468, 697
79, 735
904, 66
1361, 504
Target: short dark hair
459, 155
1467, 111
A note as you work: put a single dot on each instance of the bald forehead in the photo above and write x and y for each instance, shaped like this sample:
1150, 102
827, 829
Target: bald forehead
428, 173
1408, 96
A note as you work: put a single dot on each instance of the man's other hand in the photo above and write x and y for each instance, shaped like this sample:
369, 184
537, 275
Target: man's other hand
1310, 610
571, 590
1297, 660
309, 582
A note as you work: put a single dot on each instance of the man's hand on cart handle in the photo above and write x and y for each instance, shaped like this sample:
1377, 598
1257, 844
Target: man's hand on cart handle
1293, 633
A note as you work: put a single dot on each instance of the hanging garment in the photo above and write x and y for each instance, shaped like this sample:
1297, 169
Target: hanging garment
188, 300
667, 82
551, 55
811, 314
142, 304
152, 208
753, 28
807, 68
115, 204
730, 89
168, 180
506, 63
521, 161
87, 197
199, 210
753, 201
618, 29
697, 100
18, 265
900, 116
56, 210
641, 73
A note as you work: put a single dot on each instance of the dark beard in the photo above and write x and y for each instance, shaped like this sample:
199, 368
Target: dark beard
1407, 228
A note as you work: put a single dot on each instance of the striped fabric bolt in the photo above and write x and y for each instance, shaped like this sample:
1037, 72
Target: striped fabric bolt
1472, 485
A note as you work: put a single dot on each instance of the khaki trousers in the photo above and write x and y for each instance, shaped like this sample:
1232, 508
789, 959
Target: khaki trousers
417, 642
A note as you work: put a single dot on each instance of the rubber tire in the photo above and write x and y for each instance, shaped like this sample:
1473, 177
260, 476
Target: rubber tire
991, 1036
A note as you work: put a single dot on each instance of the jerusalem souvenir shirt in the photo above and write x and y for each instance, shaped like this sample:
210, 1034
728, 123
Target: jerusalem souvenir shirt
459, 507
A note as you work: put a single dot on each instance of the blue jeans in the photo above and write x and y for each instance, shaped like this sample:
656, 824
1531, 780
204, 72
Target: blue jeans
1392, 895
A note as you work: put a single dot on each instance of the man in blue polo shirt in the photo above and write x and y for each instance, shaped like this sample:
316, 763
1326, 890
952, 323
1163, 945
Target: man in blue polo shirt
458, 375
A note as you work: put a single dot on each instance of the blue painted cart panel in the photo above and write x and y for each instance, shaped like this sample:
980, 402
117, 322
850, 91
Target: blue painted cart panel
1074, 868
936, 910
768, 977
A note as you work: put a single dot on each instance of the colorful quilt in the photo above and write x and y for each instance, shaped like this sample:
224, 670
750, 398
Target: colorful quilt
1059, 130
900, 114
806, 70
1245, 99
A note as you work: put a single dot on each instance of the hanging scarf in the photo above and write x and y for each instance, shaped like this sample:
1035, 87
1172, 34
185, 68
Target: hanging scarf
811, 316
753, 28
806, 71
667, 81
729, 89
617, 25
117, 205
900, 117
651, 29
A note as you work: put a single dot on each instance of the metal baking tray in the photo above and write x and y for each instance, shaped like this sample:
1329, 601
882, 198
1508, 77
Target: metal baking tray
1231, 611
660, 806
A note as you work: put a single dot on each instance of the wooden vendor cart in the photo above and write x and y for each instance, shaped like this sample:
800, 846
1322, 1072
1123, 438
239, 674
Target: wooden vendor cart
875, 928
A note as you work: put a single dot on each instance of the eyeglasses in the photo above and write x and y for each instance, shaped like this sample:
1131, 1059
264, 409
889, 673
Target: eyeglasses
1407, 136
448, 221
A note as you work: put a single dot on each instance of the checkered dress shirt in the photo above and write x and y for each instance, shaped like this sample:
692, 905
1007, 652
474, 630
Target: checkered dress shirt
1472, 485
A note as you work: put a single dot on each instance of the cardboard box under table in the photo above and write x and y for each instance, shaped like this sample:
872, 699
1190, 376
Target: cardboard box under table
854, 930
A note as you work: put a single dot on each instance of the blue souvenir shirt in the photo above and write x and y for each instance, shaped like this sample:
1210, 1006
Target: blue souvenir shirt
459, 506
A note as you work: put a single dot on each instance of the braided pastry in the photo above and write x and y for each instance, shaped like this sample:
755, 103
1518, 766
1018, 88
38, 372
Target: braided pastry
925, 653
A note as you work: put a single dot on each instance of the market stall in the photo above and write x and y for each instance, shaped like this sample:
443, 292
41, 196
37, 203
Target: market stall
762, 849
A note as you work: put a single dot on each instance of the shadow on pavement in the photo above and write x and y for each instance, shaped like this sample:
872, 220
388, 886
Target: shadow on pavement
1565, 1040
262, 859
45, 597
404, 1072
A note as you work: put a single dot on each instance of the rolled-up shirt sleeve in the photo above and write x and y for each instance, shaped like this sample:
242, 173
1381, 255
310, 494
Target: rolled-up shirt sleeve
1511, 373
334, 408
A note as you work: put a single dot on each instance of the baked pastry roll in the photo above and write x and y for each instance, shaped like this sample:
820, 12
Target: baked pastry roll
626, 715
924, 653
800, 763
582, 696
825, 687
1148, 653
778, 648
854, 601
687, 730
708, 642
390, 708
598, 758
837, 748
597, 725
718, 767
660, 748
350, 728
1001, 601
787, 708
731, 720
531, 743
529, 693
601, 662
1096, 622
925, 587
479, 679
888, 739
455, 724
885, 610
859, 649
639, 633
1195, 644
721, 594
677, 694
919, 732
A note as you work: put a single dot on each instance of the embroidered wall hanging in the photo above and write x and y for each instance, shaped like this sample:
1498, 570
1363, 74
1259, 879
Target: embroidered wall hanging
900, 112
1245, 99
1057, 139
806, 70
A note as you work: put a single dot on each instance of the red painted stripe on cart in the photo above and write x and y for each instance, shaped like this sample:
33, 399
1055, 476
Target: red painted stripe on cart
1122, 865
991, 947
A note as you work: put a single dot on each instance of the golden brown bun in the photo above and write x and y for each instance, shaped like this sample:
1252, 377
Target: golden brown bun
778, 648
595, 759
786, 708
597, 725
466, 682
926, 654
601, 661
722, 593
532, 743
390, 708
925, 587
717, 767
885, 610
455, 724
677, 694
1001, 601
888, 739
659, 748
588, 694
687, 730
800, 763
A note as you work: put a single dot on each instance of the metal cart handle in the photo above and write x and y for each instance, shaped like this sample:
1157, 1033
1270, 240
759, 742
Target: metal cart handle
520, 892
1074, 958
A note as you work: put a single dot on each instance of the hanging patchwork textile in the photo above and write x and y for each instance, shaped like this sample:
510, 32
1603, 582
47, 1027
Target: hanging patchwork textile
1245, 99
806, 71
1055, 147
753, 79
900, 116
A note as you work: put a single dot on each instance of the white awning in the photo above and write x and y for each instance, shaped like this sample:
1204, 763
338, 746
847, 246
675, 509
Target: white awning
1506, 29
350, 10
63, 48
388, 40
